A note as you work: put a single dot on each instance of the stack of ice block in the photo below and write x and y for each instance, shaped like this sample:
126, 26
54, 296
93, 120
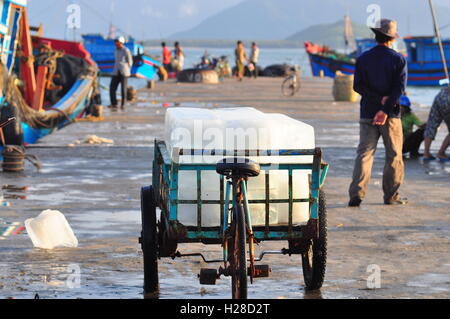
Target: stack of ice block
240, 129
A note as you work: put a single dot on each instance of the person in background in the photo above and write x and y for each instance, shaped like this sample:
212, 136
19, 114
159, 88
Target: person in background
440, 111
253, 62
178, 54
121, 73
380, 79
167, 57
241, 58
412, 140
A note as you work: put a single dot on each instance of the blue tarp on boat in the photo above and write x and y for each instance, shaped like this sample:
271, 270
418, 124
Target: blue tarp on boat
102, 51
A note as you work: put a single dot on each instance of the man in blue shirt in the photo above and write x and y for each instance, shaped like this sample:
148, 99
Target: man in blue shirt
380, 79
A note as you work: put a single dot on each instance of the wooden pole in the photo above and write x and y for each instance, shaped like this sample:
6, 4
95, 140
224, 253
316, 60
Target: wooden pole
438, 35
27, 64
38, 99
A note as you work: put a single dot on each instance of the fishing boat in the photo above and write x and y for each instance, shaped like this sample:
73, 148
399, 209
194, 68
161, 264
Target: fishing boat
425, 58
45, 83
102, 51
326, 62
425, 64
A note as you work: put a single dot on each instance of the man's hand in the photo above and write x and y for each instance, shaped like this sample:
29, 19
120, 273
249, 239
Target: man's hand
380, 119
384, 100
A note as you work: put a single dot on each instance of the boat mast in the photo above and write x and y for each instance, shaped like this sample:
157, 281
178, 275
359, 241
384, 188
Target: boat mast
438, 35
112, 28
348, 34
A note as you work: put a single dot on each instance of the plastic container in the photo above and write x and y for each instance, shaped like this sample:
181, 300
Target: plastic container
51, 230
239, 129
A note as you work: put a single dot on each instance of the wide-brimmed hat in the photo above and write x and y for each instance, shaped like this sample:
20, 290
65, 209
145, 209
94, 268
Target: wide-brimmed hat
387, 27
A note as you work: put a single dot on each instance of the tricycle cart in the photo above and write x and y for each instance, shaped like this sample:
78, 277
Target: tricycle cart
161, 239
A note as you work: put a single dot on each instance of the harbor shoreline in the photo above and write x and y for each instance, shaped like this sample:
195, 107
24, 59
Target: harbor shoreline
97, 188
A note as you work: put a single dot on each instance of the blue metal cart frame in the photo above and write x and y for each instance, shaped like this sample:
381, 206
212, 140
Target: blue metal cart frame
170, 232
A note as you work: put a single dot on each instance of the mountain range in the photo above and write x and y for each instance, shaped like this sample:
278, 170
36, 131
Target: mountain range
330, 34
281, 19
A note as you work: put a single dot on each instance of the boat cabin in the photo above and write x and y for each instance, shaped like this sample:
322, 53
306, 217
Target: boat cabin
10, 11
103, 49
426, 50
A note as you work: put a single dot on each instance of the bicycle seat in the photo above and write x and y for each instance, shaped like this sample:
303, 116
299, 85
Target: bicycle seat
238, 167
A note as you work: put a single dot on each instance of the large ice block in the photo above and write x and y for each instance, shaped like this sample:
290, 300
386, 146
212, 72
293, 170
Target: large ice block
239, 129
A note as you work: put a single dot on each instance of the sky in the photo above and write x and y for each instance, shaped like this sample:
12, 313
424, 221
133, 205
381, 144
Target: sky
149, 19
144, 19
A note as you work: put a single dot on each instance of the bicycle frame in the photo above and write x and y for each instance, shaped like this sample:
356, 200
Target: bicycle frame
239, 190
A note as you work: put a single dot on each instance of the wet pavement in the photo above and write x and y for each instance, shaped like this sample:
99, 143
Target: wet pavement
98, 187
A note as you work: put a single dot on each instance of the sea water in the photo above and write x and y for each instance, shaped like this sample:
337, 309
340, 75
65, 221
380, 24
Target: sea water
421, 96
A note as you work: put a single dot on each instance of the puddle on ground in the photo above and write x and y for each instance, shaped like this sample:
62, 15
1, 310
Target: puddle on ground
436, 168
432, 282
97, 224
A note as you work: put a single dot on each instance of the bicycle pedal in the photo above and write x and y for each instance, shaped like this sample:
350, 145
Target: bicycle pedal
261, 271
208, 277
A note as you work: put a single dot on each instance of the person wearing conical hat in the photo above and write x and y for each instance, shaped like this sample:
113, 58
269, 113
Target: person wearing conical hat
380, 79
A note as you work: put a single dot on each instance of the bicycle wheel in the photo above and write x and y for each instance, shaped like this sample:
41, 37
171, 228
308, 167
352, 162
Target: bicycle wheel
289, 86
315, 260
149, 243
239, 255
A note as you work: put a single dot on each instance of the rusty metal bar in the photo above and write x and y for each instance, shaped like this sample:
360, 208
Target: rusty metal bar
212, 261
267, 202
222, 201
291, 202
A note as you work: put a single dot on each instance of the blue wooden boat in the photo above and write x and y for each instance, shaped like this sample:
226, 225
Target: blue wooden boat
363, 45
102, 51
328, 62
424, 60
425, 66
35, 93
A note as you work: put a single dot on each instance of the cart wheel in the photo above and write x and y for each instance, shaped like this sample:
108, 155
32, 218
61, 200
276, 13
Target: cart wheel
239, 256
315, 260
149, 243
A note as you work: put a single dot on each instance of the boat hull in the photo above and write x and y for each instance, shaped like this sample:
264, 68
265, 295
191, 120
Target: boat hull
68, 109
421, 72
425, 74
103, 53
144, 67
329, 66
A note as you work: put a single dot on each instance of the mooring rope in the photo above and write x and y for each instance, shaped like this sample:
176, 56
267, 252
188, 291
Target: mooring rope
33, 118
